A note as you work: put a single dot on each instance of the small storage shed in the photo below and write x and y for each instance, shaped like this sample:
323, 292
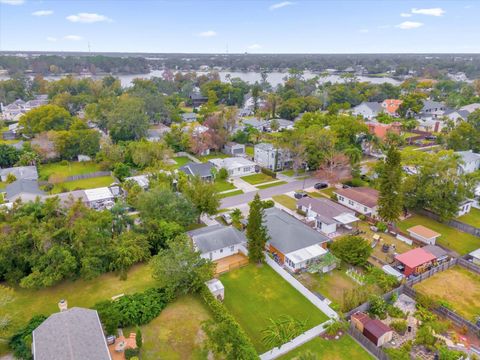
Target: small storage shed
377, 332
475, 256
423, 234
216, 288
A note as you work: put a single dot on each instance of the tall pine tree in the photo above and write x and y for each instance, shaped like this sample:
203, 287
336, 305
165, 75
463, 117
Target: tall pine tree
390, 202
256, 231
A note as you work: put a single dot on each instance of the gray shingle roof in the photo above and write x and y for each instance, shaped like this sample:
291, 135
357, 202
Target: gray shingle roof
194, 169
288, 234
216, 237
325, 208
468, 156
21, 172
74, 334
23, 187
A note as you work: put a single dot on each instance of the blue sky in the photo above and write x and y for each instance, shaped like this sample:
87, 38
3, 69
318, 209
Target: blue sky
254, 26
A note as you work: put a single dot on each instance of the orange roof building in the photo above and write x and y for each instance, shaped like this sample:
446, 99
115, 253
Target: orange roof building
381, 130
390, 106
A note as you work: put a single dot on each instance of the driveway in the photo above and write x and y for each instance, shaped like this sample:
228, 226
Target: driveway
267, 193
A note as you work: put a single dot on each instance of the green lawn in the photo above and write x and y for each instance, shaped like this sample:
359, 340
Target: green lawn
285, 200
181, 160
177, 332
291, 172
256, 179
250, 150
2, 185
255, 294
344, 348
83, 184
231, 193
221, 185
451, 238
457, 286
212, 155
73, 168
276, 183
8, 142
83, 293
472, 218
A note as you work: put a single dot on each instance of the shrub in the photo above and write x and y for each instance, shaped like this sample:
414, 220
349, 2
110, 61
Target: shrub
138, 338
381, 226
64, 163
269, 172
222, 174
301, 212
21, 341
400, 326
355, 182
225, 334
130, 354
48, 187
378, 307
395, 312
10, 178
267, 204
362, 217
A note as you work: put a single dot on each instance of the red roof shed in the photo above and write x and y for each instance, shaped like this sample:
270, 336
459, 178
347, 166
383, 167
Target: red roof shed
415, 259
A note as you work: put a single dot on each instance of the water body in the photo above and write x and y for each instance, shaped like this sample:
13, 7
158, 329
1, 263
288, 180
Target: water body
274, 78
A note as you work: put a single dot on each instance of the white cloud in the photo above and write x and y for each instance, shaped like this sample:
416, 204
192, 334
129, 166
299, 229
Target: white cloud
280, 5
364, 31
208, 33
407, 25
51, 38
405, 15
430, 11
12, 2
255, 47
42, 13
73, 37
88, 18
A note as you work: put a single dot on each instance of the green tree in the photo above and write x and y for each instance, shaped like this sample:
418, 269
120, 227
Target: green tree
390, 201
129, 249
203, 195
45, 118
128, 119
138, 338
256, 231
354, 250
121, 171
412, 104
179, 268
8, 156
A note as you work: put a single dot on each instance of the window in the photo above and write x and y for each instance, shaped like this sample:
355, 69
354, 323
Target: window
341, 198
365, 209
232, 248
221, 250
350, 202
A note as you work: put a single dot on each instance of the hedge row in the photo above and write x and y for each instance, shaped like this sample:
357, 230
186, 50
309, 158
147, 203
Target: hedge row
21, 341
231, 340
269, 172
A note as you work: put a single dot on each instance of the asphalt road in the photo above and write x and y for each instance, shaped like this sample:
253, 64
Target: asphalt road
266, 193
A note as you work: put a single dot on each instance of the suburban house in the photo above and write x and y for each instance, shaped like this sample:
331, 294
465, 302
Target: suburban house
363, 200
431, 125
189, 117
204, 170
71, 334
329, 217
368, 110
99, 198
419, 260
20, 173
462, 113
465, 207
234, 149
157, 132
236, 166
259, 124
293, 243
26, 190
475, 256
423, 234
268, 156
381, 130
432, 110
218, 241
15, 110
140, 180
469, 161
373, 329
283, 124
390, 106
197, 99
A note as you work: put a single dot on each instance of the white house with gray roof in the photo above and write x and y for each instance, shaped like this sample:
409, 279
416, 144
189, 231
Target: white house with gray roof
74, 334
235, 166
26, 190
469, 161
20, 173
368, 110
218, 241
204, 170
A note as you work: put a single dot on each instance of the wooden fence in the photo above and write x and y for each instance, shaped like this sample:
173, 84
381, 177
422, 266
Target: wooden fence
431, 272
469, 265
367, 344
88, 176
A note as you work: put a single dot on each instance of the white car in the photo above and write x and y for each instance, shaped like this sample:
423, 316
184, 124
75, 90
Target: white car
227, 218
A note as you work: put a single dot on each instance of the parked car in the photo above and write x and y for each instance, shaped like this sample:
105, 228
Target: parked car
320, 185
300, 194
227, 218
430, 137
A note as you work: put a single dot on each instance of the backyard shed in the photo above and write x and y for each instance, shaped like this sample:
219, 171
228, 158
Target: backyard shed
216, 288
415, 261
423, 234
377, 332
475, 256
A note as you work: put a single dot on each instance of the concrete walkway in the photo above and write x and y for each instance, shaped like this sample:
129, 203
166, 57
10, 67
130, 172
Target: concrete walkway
243, 185
207, 220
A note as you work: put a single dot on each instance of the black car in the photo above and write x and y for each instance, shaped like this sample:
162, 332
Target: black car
320, 185
300, 194
430, 137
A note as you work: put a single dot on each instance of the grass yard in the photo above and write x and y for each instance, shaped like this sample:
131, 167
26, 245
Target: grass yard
73, 168
181, 160
255, 294
457, 286
344, 348
8, 142
212, 155
276, 183
472, 218
222, 185
177, 332
231, 193
291, 172
331, 285
451, 238
400, 246
256, 179
82, 184
83, 293
250, 150
285, 200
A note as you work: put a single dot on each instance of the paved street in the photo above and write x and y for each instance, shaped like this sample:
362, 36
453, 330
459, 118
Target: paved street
266, 193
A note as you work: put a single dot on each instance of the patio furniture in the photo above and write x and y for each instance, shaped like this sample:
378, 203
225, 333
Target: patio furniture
120, 347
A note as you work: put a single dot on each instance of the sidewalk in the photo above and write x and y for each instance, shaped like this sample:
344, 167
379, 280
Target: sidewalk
243, 185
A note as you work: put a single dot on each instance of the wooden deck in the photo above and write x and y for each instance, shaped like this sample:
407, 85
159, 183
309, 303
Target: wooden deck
230, 262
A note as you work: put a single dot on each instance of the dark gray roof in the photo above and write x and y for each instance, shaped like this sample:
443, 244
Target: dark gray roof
325, 209
256, 123
21, 172
436, 251
289, 234
374, 106
189, 116
74, 334
23, 187
194, 169
216, 237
